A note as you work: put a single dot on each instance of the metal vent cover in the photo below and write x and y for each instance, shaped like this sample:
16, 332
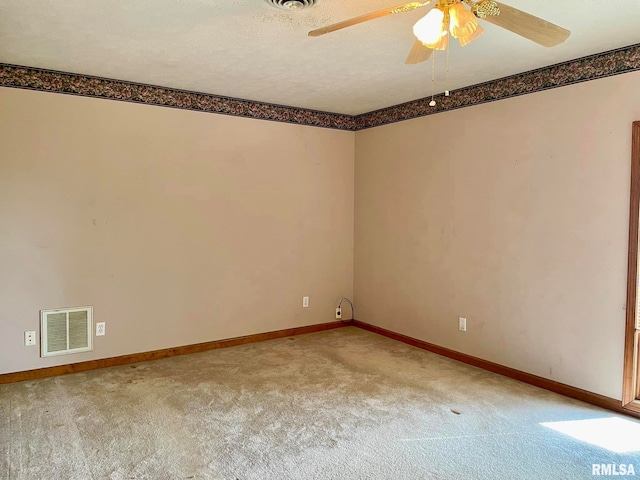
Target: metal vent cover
293, 4
67, 330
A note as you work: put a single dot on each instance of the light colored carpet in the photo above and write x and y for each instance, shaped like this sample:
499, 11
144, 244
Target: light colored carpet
340, 404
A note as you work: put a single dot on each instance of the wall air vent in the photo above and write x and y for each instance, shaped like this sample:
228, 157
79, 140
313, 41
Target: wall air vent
67, 330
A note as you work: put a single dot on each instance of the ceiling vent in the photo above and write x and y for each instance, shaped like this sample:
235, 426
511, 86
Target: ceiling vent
293, 4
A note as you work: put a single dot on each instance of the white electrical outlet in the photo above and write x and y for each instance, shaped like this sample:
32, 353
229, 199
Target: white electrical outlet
29, 338
305, 302
462, 324
338, 313
100, 329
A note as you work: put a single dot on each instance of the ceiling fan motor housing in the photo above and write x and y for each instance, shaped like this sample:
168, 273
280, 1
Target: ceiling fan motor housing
293, 4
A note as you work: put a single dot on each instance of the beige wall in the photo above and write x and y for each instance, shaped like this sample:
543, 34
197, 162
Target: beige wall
513, 214
178, 227
182, 227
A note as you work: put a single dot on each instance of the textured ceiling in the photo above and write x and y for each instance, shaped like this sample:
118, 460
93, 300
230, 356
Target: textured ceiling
251, 50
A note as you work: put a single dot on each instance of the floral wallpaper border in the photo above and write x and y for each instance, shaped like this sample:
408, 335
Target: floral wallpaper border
583, 69
592, 67
89, 86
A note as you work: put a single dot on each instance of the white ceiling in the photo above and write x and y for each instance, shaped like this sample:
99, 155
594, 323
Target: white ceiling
251, 50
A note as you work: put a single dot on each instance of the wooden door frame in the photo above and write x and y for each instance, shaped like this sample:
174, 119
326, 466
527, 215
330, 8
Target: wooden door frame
629, 387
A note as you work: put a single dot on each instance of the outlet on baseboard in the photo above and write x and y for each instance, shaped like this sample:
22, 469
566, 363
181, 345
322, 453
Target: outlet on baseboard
462, 324
338, 313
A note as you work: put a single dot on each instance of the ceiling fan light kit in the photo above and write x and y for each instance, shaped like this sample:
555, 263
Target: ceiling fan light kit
430, 28
463, 23
450, 16
458, 18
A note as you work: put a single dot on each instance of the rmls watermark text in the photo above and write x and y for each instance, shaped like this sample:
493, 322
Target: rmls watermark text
612, 469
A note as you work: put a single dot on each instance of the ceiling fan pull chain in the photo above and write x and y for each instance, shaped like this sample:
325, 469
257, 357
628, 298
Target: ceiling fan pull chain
446, 76
432, 103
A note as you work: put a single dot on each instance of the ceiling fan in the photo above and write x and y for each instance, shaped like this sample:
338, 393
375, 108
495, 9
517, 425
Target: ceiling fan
460, 19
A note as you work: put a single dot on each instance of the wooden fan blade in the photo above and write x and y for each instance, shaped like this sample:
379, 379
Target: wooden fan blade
418, 54
528, 26
406, 7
